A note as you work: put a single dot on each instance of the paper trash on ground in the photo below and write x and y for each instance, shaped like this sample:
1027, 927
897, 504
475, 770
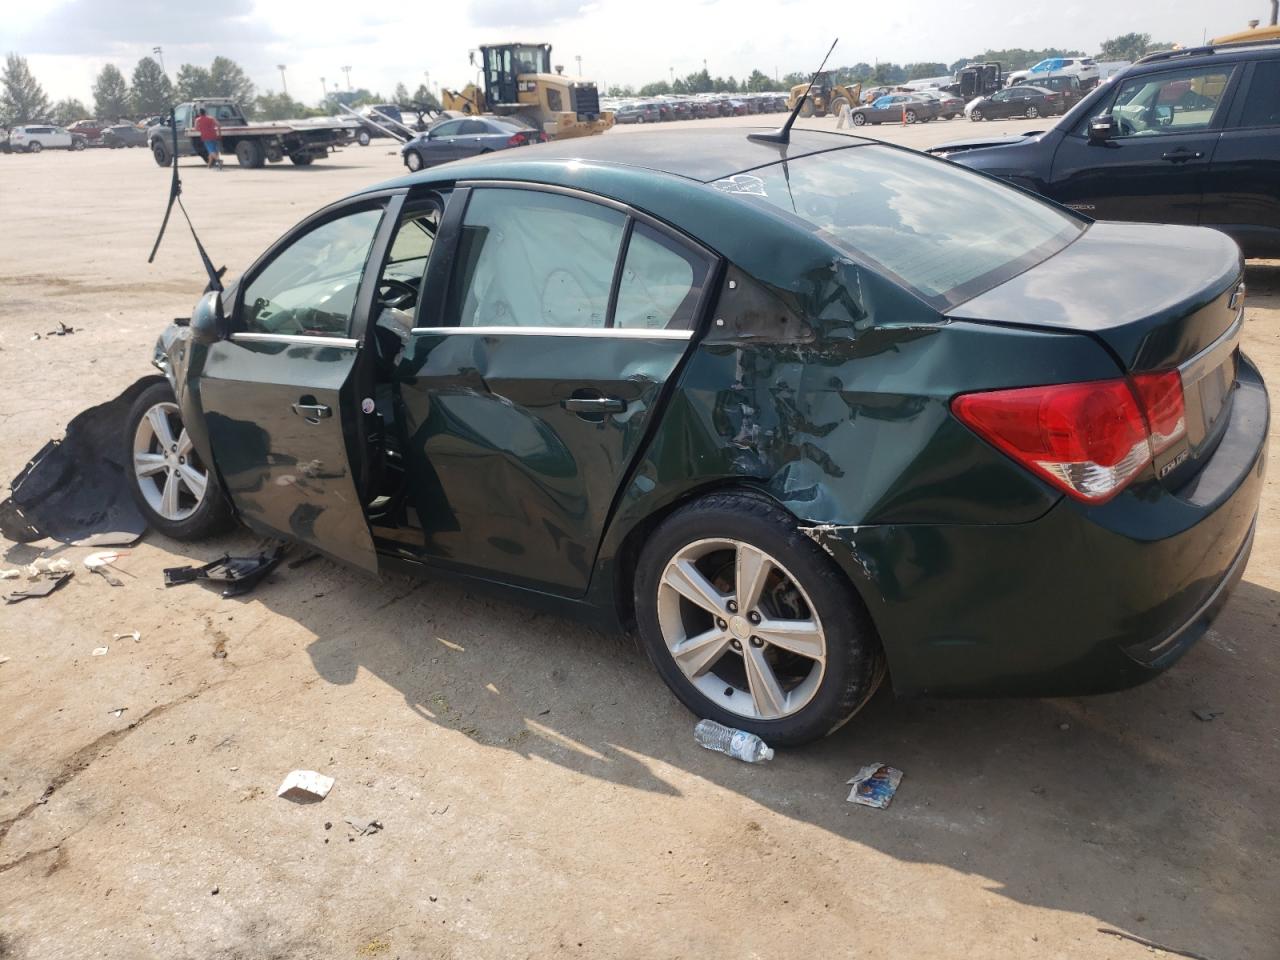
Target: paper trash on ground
305, 786
875, 785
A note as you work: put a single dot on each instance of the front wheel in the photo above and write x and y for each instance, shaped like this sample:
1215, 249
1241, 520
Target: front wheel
975, 115
34, 147
911, 116
1032, 113
859, 119
301, 159
161, 153
177, 492
413, 160
77, 145
751, 624
362, 138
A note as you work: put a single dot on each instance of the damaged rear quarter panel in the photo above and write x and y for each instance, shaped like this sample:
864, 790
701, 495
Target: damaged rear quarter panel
841, 415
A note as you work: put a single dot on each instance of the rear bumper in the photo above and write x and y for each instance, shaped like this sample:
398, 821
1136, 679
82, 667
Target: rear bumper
1085, 599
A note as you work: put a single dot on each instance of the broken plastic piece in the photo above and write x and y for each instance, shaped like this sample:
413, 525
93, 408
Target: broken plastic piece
1206, 714
43, 565
74, 489
363, 828
242, 573
874, 785
40, 588
305, 786
135, 636
10, 574
100, 651
117, 711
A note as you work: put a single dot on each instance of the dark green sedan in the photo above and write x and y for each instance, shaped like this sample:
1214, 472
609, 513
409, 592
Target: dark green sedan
801, 415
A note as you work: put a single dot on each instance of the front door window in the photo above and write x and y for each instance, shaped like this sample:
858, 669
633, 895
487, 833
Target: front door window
1182, 101
310, 287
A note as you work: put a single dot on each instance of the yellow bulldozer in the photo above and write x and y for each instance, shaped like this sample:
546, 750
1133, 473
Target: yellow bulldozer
518, 81
826, 97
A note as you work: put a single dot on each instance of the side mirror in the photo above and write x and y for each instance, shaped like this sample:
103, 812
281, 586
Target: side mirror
1164, 115
207, 318
1102, 129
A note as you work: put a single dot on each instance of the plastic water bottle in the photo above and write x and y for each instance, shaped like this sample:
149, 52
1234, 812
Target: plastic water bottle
736, 743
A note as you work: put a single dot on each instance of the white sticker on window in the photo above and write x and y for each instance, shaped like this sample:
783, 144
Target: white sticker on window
741, 183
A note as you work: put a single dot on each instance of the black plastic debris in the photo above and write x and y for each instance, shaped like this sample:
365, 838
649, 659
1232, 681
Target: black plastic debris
241, 573
42, 587
62, 331
74, 490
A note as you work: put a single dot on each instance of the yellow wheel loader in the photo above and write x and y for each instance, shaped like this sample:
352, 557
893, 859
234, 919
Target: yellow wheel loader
826, 97
518, 81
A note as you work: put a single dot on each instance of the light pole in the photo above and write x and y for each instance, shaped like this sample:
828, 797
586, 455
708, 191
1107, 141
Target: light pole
324, 92
283, 82
579, 59
672, 71
159, 52
347, 71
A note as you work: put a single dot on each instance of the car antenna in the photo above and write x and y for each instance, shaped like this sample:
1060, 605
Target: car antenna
783, 133
175, 195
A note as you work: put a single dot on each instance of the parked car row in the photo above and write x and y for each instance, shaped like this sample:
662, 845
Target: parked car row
702, 106
32, 138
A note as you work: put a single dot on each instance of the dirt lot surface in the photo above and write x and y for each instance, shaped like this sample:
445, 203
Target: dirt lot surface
540, 789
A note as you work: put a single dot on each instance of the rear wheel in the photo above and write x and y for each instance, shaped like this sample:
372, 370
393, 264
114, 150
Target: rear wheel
77, 144
177, 492
160, 151
35, 146
1032, 113
302, 159
806, 109
751, 624
837, 105
250, 154
362, 138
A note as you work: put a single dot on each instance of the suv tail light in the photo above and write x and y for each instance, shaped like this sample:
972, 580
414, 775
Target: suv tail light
1087, 439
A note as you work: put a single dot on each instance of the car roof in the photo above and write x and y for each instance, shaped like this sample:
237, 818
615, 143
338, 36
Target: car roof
1231, 52
708, 155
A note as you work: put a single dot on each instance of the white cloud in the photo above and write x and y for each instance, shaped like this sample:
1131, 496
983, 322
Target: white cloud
620, 41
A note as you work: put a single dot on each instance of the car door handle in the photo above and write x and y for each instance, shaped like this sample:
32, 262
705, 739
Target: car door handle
1181, 155
595, 405
312, 412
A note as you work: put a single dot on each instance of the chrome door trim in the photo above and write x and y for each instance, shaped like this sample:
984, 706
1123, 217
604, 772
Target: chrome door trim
242, 335
624, 333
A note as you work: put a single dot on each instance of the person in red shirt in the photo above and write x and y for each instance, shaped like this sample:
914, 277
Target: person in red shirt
209, 132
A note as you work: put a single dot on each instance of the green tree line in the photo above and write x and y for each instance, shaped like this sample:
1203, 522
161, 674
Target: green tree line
149, 92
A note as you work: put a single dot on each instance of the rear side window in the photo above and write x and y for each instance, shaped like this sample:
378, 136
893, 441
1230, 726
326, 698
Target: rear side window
942, 231
473, 127
533, 259
1262, 102
661, 283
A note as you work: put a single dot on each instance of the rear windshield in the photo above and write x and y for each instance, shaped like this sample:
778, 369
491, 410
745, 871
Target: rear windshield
943, 231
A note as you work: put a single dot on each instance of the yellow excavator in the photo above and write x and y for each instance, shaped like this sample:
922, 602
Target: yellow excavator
826, 97
518, 81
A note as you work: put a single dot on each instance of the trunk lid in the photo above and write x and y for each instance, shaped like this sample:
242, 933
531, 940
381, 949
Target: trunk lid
1159, 298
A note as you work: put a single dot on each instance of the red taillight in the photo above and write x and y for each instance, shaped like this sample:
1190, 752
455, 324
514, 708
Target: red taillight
516, 140
1161, 396
1087, 439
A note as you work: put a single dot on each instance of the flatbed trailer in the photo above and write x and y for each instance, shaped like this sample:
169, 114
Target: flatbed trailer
253, 144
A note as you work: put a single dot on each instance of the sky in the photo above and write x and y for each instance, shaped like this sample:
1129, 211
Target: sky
66, 42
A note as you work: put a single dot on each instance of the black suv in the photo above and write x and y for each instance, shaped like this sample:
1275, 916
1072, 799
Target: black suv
1065, 84
1187, 136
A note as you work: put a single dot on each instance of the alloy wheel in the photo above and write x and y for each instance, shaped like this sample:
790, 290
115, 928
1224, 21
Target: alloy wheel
741, 628
1032, 113
170, 474
413, 160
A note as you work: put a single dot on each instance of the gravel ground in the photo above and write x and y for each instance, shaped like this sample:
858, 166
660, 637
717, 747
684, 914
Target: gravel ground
540, 789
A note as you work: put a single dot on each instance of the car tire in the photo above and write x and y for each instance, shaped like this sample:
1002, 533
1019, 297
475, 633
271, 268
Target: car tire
806, 108
975, 116
858, 119
950, 116
160, 151
413, 160
77, 144
185, 511
808, 697
250, 154
911, 116
35, 146
363, 138
302, 159
1032, 113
